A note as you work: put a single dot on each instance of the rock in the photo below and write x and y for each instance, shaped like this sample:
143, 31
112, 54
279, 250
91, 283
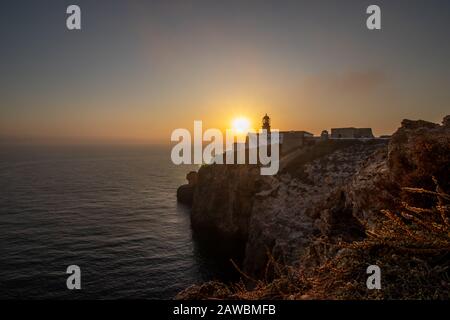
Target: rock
416, 124
192, 178
446, 121
185, 193
303, 209
223, 199
278, 215
366, 193
418, 151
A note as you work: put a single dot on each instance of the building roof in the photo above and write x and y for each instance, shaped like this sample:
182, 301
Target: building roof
293, 132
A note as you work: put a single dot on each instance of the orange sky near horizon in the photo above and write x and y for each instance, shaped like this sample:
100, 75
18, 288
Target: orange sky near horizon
310, 65
144, 125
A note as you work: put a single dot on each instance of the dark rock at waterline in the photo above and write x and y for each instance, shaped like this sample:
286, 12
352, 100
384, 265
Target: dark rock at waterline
185, 193
223, 200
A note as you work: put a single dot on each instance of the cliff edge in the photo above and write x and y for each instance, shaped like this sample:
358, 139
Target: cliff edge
331, 194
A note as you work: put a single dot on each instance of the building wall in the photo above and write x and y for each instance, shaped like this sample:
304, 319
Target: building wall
364, 133
351, 133
291, 140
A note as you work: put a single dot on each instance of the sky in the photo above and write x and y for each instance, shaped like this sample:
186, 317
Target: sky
140, 69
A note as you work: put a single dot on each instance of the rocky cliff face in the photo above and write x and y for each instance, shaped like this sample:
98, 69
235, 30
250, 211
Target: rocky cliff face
279, 214
418, 151
185, 193
300, 218
223, 199
297, 212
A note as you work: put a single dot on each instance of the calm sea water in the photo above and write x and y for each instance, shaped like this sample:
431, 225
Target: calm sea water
110, 210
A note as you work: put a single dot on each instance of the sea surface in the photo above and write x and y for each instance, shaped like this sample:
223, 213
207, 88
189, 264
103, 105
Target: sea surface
111, 210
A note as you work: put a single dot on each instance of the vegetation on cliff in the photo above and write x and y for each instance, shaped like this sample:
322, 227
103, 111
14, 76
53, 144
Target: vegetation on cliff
412, 247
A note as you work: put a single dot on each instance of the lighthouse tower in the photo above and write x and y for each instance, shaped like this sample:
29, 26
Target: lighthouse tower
266, 123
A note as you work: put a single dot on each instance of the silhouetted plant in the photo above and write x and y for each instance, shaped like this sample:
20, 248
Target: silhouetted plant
418, 229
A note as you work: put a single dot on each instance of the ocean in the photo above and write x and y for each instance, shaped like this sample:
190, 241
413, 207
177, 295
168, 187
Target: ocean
111, 210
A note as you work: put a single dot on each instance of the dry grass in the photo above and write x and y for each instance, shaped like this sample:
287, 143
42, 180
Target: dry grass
411, 246
418, 229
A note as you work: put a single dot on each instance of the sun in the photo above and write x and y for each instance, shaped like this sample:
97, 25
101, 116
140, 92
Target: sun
241, 125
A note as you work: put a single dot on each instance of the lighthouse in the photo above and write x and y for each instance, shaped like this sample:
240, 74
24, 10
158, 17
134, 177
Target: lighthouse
266, 123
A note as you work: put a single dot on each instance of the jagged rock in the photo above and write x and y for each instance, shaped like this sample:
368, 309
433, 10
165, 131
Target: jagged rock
416, 124
446, 121
366, 193
305, 208
418, 151
223, 199
185, 193
276, 215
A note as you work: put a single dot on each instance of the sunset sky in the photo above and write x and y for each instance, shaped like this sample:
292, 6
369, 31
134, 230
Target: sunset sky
139, 69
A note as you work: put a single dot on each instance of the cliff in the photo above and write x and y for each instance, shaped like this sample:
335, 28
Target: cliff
279, 214
185, 193
223, 199
330, 194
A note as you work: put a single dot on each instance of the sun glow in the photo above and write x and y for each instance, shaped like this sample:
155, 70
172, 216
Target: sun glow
241, 125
